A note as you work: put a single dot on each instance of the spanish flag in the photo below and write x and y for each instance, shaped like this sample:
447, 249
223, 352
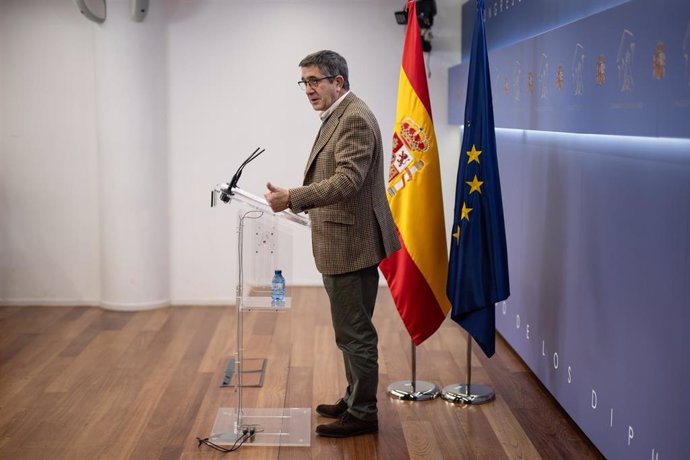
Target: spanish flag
417, 273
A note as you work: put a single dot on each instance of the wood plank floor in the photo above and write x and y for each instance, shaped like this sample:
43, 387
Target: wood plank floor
85, 383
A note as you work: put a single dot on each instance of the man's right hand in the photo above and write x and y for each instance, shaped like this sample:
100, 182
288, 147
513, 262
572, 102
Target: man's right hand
277, 198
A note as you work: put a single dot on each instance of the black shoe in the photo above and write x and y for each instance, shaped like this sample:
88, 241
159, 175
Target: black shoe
348, 425
332, 410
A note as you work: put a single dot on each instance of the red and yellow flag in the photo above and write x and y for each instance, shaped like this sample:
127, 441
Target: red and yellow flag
417, 273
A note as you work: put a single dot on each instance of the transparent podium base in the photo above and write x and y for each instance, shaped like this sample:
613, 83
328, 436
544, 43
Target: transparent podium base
274, 427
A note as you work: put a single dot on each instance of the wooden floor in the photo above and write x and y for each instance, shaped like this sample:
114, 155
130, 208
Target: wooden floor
85, 383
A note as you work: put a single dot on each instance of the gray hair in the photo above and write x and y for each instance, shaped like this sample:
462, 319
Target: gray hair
329, 63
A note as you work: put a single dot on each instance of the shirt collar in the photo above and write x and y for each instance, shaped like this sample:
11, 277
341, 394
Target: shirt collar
326, 113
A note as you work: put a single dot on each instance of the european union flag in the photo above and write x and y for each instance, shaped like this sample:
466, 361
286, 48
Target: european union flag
478, 267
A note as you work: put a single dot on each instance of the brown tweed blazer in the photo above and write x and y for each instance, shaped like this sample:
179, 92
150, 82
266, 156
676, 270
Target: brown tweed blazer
344, 192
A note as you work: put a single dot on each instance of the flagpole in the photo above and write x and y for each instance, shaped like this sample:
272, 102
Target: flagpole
414, 365
413, 390
467, 393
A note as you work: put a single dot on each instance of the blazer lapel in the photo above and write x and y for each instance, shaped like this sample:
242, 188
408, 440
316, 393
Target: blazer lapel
327, 130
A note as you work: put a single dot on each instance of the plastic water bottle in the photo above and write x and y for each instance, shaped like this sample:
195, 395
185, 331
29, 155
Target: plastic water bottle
278, 289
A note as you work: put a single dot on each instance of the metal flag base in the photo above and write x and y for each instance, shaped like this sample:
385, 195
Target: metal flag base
413, 389
477, 394
420, 391
468, 393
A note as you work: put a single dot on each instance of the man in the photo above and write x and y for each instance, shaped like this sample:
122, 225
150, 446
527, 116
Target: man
352, 230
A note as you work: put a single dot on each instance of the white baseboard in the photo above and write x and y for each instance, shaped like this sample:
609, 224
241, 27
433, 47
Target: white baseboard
49, 302
134, 306
202, 302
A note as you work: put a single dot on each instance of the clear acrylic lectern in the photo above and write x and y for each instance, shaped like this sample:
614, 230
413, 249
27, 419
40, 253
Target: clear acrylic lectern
263, 243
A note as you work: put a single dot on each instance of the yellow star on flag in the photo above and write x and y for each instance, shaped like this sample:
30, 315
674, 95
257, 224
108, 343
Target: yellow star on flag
473, 155
465, 212
475, 185
456, 235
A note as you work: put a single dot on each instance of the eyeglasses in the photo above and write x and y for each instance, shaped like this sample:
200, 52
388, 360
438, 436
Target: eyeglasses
312, 82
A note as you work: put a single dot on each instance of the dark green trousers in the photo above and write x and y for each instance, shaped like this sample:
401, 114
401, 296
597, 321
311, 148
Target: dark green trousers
352, 297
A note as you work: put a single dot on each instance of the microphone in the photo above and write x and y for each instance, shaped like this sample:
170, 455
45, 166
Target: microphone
235, 178
226, 191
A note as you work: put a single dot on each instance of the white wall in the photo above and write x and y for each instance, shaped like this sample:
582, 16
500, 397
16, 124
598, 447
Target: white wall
49, 249
231, 87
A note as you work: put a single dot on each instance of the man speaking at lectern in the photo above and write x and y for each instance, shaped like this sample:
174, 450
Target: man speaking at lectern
352, 230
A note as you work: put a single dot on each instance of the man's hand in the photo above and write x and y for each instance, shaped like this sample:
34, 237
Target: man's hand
277, 198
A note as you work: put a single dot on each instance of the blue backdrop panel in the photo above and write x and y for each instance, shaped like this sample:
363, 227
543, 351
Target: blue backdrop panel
598, 226
624, 71
598, 231
510, 21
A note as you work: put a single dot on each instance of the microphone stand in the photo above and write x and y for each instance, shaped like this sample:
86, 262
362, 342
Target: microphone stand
225, 190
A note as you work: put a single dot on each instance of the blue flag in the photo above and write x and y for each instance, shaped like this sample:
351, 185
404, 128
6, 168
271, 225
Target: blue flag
478, 267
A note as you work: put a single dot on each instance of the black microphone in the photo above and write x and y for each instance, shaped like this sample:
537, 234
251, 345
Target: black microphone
236, 177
